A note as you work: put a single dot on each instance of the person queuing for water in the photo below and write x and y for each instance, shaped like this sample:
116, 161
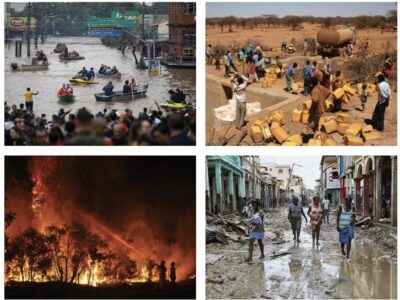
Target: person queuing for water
344, 224
172, 273
239, 84
209, 52
108, 89
279, 65
384, 95
326, 204
363, 96
217, 59
289, 75
231, 60
307, 74
256, 229
28, 95
315, 213
338, 81
294, 216
226, 65
283, 44
388, 66
327, 73
319, 94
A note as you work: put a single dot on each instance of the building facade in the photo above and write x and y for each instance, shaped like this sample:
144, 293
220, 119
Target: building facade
225, 190
182, 31
330, 186
371, 182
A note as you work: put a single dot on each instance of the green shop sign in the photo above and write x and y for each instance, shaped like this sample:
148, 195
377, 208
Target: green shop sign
127, 15
110, 22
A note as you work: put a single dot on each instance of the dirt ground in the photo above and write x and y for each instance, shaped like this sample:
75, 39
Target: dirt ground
301, 271
214, 136
272, 37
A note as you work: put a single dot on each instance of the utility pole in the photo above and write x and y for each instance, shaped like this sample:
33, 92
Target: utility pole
254, 177
28, 35
290, 177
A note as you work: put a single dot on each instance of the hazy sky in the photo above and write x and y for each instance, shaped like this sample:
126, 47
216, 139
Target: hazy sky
317, 9
309, 170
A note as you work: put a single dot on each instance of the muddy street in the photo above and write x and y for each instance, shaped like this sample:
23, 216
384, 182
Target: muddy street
299, 270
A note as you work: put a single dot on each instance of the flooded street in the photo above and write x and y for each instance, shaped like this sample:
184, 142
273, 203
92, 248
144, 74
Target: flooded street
302, 271
48, 82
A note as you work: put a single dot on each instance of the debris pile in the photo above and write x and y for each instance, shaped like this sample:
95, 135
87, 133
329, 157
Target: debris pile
385, 239
225, 228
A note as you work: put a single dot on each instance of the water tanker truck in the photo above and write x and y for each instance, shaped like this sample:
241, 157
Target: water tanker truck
331, 40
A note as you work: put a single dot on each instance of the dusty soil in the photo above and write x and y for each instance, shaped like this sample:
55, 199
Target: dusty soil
215, 136
272, 37
306, 271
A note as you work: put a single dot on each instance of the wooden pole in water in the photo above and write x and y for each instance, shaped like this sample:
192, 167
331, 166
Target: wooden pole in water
28, 34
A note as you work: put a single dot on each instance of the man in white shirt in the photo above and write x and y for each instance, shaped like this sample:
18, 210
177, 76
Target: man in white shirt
239, 85
326, 206
209, 55
384, 93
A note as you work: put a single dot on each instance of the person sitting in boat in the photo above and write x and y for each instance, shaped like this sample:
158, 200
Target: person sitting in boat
132, 84
114, 70
65, 52
90, 74
63, 91
177, 96
82, 74
107, 70
70, 89
108, 89
102, 69
126, 89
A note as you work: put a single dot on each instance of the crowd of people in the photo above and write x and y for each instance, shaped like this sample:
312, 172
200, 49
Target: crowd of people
108, 127
319, 83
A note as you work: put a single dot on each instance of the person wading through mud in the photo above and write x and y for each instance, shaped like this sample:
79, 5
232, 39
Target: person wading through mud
256, 229
294, 216
319, 94
315, 213
239, 84
344, 222
326, 205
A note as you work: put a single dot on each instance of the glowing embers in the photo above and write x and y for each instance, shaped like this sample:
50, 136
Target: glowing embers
38, 197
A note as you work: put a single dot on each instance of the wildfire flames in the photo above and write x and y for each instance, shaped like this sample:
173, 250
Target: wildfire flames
54, 237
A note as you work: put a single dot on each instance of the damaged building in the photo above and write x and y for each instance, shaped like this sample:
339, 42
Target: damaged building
363, 178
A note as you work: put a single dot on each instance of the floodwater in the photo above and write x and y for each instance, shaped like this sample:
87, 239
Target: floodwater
321, 273
49, 81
